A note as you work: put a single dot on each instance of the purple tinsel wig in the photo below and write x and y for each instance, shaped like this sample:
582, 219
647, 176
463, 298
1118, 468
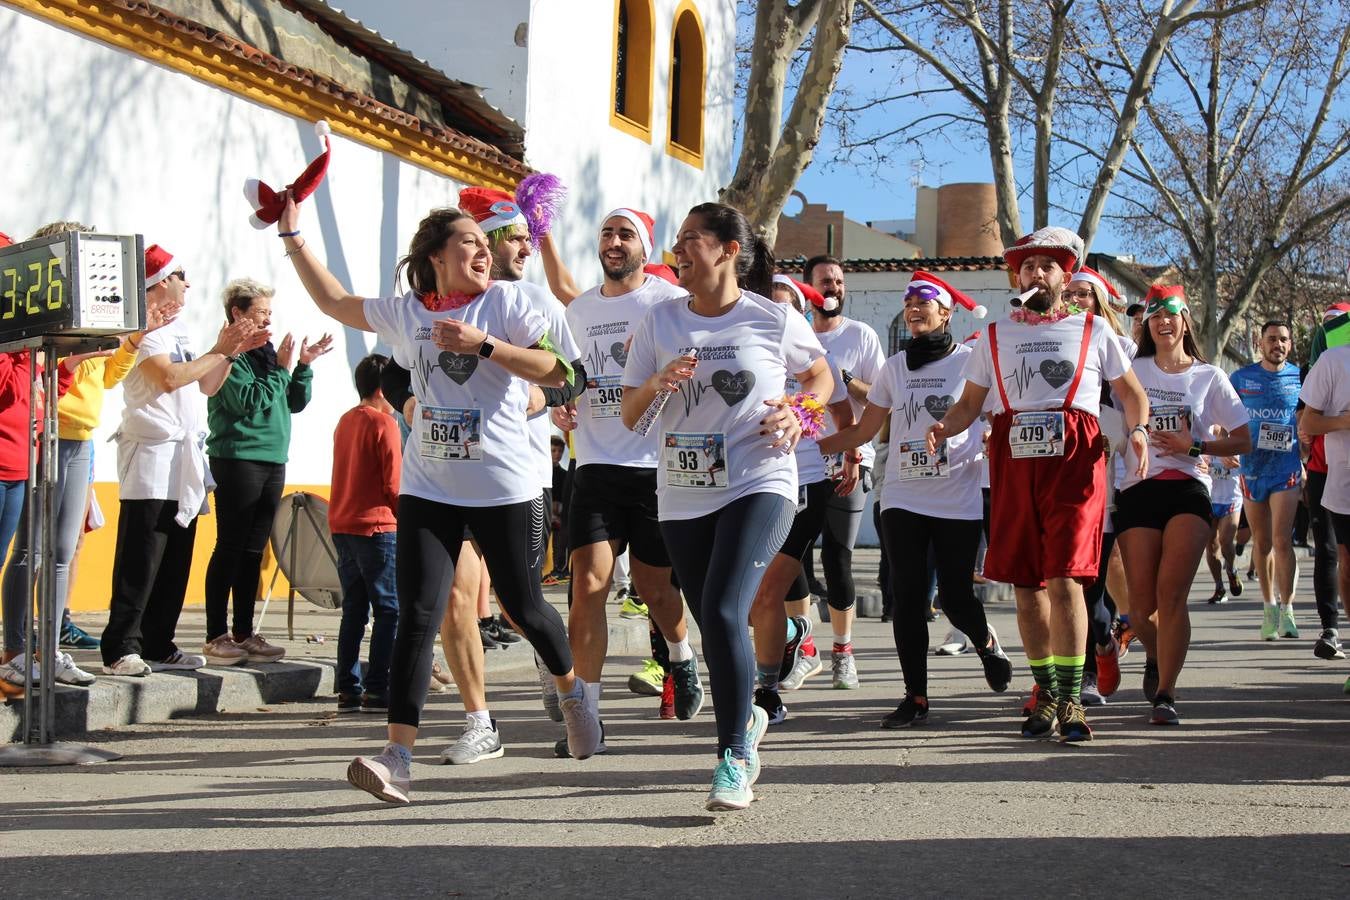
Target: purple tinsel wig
539, 197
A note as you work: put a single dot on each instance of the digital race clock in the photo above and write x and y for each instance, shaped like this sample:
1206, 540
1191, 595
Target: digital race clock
71, 285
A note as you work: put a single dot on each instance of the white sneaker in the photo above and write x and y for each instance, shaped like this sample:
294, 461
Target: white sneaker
131, 665
179, 661
804, 668
477, 743
549, 691
69, 673
12, 671
385, 776
954, 644
582, 716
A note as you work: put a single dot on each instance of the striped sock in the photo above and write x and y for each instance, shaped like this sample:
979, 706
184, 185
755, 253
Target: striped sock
1043, 670
1069, 675
767, 675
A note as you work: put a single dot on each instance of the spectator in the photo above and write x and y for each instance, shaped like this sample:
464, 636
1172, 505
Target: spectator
558, 513
250, 437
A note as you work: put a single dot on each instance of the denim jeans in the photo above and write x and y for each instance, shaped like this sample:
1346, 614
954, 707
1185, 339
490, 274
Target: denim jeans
366, 571
11, 509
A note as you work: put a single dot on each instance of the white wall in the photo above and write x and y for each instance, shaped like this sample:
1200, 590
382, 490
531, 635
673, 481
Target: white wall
129, 146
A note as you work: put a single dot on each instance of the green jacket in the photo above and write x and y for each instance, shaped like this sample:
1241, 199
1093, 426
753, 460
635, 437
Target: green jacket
250, 416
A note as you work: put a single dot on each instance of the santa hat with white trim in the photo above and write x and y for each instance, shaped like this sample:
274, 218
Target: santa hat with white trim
491, 208
1060, 244
804, 293
1092, 276
930, 287
158, 265
644, 224
267, 204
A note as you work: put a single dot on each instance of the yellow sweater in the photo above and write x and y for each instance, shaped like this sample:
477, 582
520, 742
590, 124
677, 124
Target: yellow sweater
79, 410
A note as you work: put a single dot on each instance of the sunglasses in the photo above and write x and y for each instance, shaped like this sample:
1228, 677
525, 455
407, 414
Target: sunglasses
179, 274
1084, 293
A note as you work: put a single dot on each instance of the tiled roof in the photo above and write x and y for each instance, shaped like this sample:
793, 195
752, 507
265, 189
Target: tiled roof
935, 264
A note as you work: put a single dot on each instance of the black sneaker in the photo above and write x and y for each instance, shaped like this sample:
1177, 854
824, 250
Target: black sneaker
1073, 726
997, 666
1164, 711
1040, 722
505, 625
493, 629
1219, 596
374, 703
561, 752
489, 642
688, 689
1328, 646
792, 650
1150, 679
909, 712
349, 703
768, 700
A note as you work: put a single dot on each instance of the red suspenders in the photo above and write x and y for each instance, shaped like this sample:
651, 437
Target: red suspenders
1077, 375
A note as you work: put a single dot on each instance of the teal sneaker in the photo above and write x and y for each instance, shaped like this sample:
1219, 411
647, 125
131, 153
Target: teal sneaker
632, 609
1270, 623
730, 786
1288, 627
754, 733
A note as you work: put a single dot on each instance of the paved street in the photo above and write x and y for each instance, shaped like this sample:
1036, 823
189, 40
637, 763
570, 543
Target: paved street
1250, 796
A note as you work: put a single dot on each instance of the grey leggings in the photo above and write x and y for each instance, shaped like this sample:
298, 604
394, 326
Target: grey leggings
843, 518
719, 560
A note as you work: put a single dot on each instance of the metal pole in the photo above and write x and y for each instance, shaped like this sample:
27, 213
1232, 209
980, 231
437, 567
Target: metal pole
46, 548
31, 726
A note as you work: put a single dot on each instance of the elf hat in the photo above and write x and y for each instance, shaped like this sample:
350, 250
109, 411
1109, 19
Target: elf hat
1092, 276
661, 270
804, 293
158, 265
930, 287
491, 208
1333, 311
267, 204
1169, 298
644, 224
1060, 244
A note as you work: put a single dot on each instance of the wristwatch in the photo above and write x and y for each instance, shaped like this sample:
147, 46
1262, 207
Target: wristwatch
847, 376
485, 349
1197, 449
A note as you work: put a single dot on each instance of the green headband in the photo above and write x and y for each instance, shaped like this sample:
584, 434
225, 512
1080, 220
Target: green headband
1174, 305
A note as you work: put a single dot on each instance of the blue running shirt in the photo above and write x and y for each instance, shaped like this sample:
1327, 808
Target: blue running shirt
1271, 398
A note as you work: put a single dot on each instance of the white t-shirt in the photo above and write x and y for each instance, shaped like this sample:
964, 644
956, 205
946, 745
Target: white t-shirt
945, 485
1191, 402
150, 440
602, 326
541, 429
710, 445
855, 347
1223, 483
810, 462
1038, 364
1327, 388
469, 430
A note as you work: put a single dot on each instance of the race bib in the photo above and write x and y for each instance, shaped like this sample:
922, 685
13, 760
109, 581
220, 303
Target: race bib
451, 435
1175, 418
604, 394
1035, 434
1279, 438
696, 460
915, 462
834, 465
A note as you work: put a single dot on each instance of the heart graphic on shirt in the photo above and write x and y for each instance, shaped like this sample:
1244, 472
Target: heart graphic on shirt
1056, 373
458, 366
937, 406
733, 387
619, 353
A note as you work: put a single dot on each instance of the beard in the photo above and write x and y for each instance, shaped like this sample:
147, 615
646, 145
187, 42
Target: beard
1041, 301
618, 273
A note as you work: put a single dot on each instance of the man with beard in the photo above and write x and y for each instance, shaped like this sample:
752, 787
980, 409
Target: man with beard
613, 502
1039, 373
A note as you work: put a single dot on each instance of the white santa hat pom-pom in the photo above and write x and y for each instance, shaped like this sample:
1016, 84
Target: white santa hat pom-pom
830, 305
980, 312
322, 129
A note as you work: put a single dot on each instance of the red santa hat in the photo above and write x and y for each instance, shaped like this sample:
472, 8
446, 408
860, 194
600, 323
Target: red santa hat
1165, 298
5, 240
1333, 311
805, 293
661, 270
1092, 276
644, 224
158, 265
1060, 244
491, 208
267, 204
930, 287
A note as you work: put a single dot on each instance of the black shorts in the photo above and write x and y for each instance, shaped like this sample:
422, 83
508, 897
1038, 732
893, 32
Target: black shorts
813, 504
1153, 502
1340, 523
616, 503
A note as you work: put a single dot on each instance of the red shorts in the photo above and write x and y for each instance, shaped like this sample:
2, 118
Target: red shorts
1046, 513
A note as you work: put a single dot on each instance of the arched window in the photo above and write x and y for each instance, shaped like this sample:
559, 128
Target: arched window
899, 334
688, 71
634, 49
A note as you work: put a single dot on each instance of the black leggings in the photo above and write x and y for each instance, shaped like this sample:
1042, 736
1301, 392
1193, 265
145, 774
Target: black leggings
720, 559
806, 525
1100, 609
429, 539
247, 496
843, 518
907, 537
1324, 552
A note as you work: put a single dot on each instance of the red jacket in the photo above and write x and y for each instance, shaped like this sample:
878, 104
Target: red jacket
15, 376
367, 461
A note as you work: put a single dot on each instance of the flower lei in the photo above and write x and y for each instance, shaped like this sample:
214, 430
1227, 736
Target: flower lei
810, 413
443, 302
1024, 316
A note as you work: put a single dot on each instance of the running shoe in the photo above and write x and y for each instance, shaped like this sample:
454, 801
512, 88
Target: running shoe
179, 661
667, 698
69, 673
548, 690
792, 650
807, 665
632, 608
1270, 621
1073, 726
561, 752
911, 711
73, 637
754, 733
1108, 669
997, 666
954, 644
1090, 694
498, 631
646, 681
385, 777
1288, 628
621, 594
477, 743
1040, 722
768, 700
582, 716
845, 670
349, 703
688, 689
1219, 596
1124, 635
730, 786
1251, 575
1031, 700
489, 642
375, 704
1328, 646
1164, 711
12, 671
1234, 585
131, 665
1150, 679
260, 650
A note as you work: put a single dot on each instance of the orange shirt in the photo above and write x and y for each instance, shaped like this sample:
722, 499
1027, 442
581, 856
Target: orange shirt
367, 458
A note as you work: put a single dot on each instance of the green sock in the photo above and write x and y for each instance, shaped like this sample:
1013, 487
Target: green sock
1043, 670
1069, 675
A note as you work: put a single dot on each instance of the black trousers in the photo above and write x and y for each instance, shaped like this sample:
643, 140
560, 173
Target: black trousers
149, 579
247, 496
1324, 552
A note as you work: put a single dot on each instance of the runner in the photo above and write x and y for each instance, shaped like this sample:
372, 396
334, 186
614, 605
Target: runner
1272, 473
932, 501
720, 359
1164, 518
451, 328
1046, 363
1225, 503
